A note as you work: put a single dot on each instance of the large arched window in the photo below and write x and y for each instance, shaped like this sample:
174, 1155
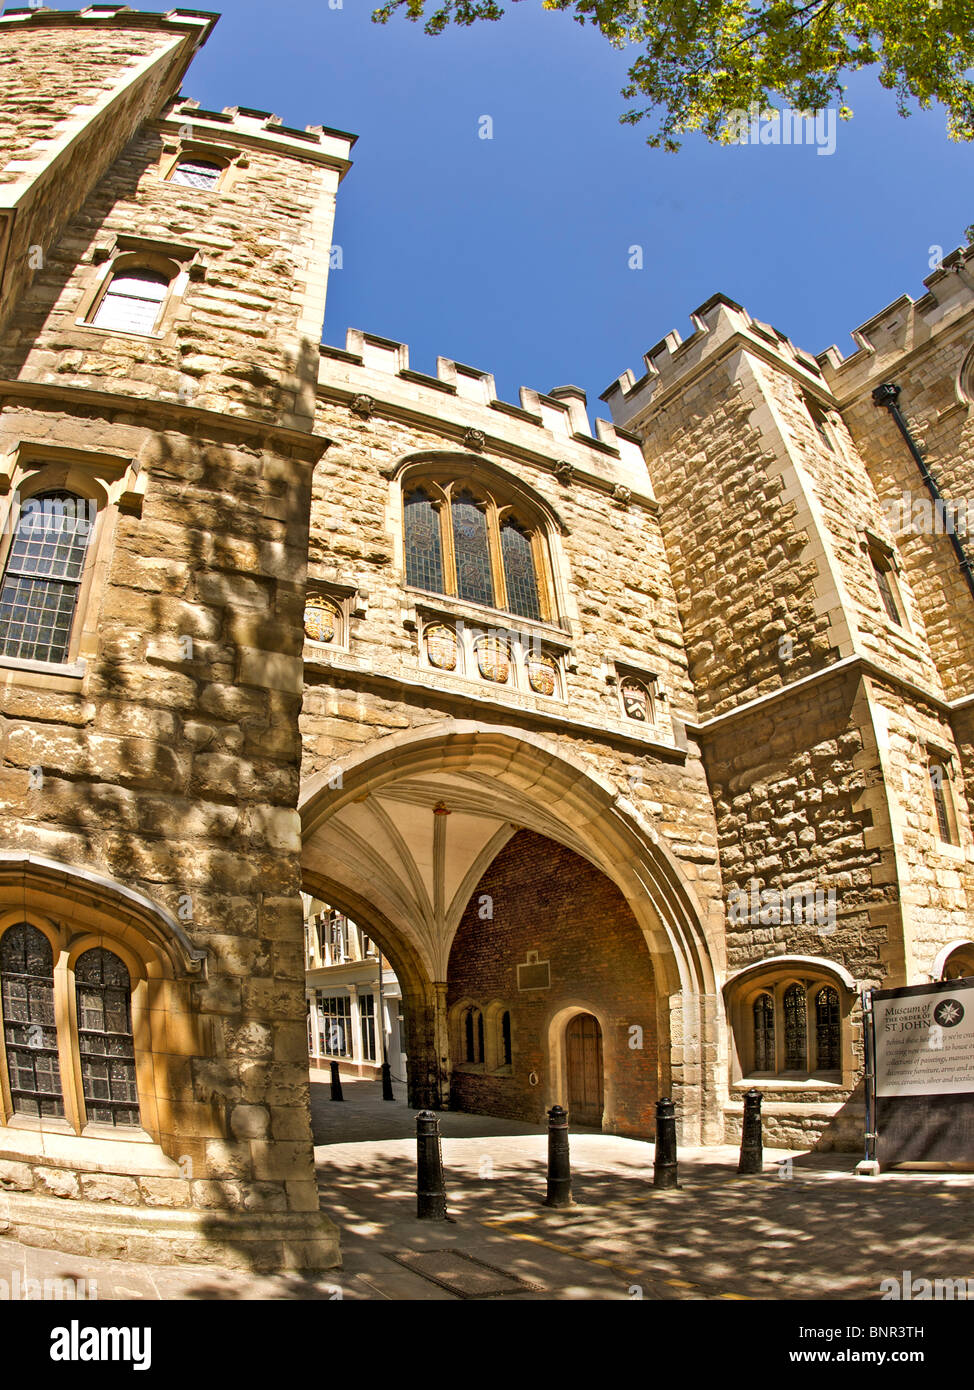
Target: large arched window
106, 1045
29, 1031
464, 537
43, 574
132, 301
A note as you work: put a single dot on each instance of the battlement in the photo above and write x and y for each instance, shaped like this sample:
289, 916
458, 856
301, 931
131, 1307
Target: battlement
557, 420
248, 126
902, 326
716, 324
200, 22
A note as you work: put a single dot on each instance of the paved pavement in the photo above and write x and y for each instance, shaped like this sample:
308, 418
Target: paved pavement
807, 1230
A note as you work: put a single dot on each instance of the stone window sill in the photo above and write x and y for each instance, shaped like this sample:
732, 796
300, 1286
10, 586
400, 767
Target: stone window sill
101, 1148
825, 1082
72, 670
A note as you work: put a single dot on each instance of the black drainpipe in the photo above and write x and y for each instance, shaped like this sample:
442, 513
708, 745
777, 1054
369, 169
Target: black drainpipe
888, 395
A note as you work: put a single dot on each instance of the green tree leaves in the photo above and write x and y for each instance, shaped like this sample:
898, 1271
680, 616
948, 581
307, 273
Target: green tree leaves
700, 61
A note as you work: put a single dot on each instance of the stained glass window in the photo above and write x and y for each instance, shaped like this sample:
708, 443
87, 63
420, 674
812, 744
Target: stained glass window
796, 1031
764, 1058
474, 581
196, 173
519, 573
827, 1030
132, 302
104, 992
30, 1034
424, 558
43, 576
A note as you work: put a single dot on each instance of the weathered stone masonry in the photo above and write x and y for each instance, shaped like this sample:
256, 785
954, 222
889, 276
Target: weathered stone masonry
712, 706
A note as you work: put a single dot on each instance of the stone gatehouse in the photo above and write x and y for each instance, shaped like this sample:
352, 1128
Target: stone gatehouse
640, 747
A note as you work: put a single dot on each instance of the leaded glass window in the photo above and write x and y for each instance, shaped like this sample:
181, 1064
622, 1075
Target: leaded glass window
827, 1029
43, 576
105, 1042
796, 1031
474, 581
764, 1056
196, 173
132, 302
424, 557
519, 572
29, 1030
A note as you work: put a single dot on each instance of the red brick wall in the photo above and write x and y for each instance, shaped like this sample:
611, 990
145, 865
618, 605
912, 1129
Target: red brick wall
547, 899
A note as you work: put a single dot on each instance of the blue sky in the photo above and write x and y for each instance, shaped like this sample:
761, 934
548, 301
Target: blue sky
511, 254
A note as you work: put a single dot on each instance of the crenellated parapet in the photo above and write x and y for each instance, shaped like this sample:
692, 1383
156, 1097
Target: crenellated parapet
245, 126
371, 374
903, 327
720, 326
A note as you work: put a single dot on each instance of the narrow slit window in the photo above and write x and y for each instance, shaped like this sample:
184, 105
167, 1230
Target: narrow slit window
30, 1034
506, 1038
938, 776
882, 569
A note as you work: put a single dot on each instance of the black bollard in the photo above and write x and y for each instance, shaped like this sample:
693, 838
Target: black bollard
336, 1083
752, 1154
664, 1165
559, 1161
430, 1192
387, 1082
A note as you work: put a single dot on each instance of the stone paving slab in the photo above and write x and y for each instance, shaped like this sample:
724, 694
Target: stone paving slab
819, 1233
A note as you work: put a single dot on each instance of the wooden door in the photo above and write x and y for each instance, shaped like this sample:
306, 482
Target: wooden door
583, 1045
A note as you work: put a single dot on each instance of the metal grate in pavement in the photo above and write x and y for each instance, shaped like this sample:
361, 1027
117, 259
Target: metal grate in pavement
463, 1274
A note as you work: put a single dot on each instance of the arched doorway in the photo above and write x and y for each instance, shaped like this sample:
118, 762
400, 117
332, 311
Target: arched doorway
401, 833
584, 1070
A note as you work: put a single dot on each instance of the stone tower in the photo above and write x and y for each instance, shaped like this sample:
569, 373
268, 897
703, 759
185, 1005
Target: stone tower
163, 291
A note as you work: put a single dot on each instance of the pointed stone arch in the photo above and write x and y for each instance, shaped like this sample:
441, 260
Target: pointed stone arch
406, 827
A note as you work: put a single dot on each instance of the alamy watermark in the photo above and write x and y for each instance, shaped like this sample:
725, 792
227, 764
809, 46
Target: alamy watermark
914, 515
799, 904
757, 126
910, 1290
77, 515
